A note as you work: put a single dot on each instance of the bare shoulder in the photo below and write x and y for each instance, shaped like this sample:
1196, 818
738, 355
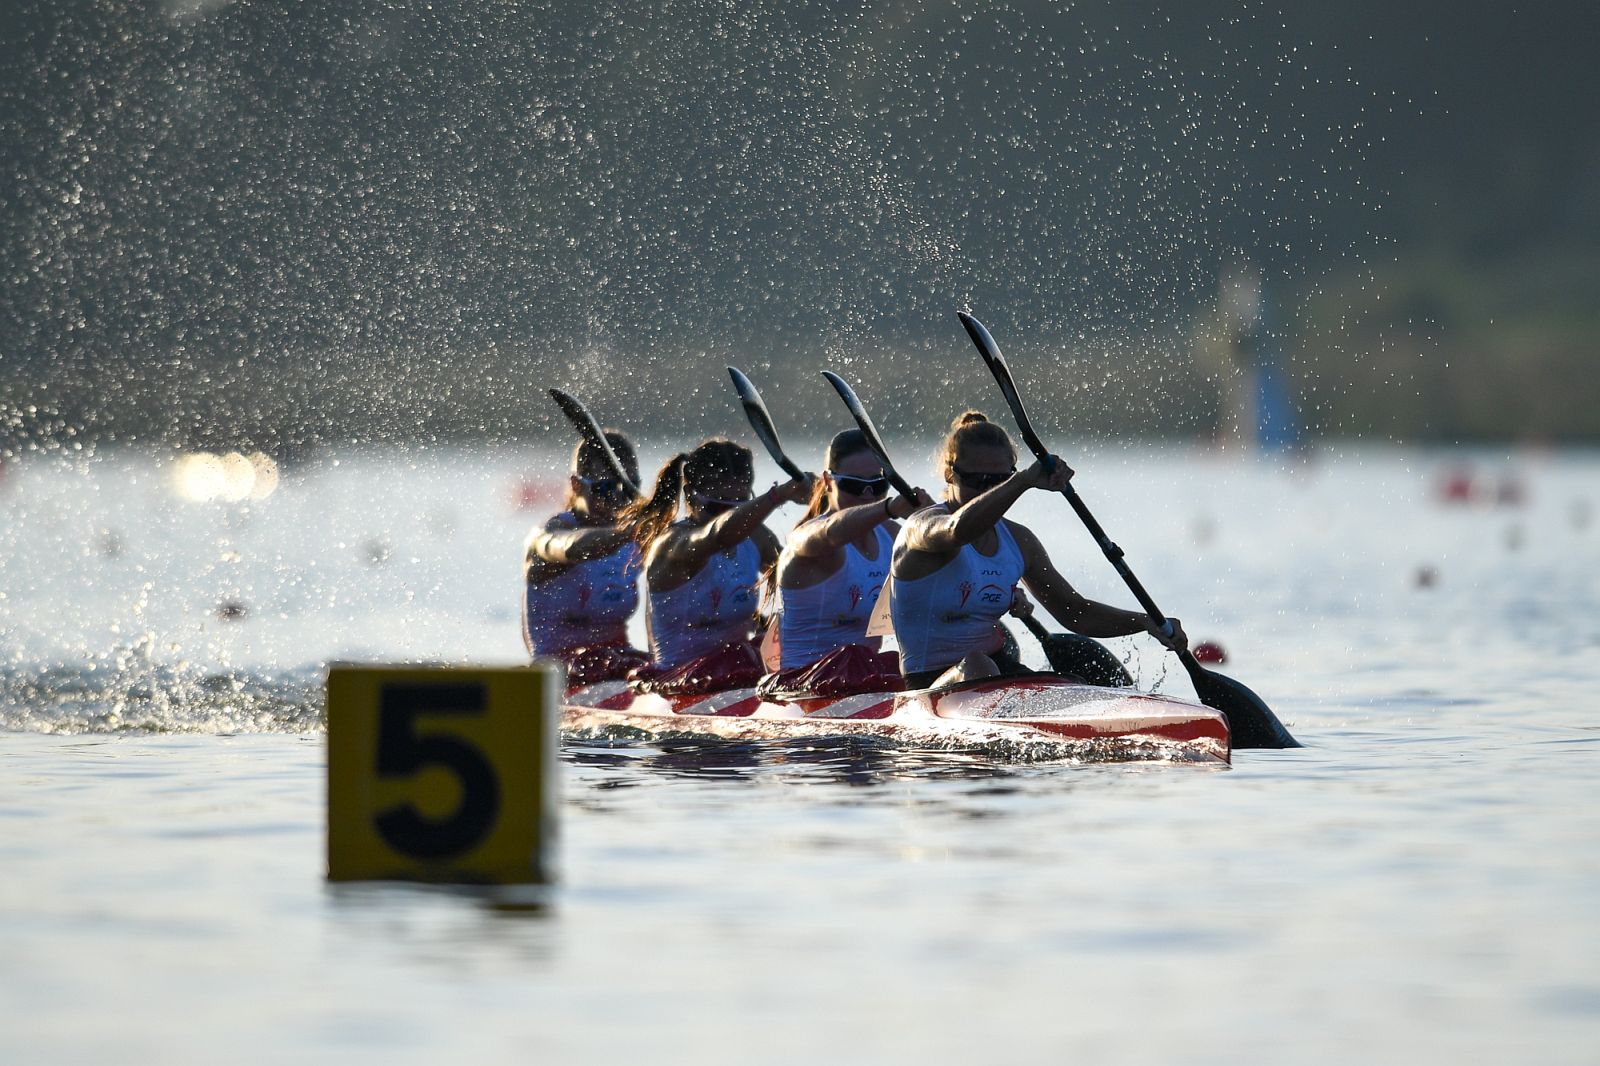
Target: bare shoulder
1027, 542
556, 523
926, 517
806, 532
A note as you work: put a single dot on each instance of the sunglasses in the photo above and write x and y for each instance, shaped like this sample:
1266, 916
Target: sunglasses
716, 504
605, 486
860, 486
980, 482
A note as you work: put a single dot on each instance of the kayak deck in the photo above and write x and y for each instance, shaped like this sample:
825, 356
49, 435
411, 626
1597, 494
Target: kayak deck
1032, 717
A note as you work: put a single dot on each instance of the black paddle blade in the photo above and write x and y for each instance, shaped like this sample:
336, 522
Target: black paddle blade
1002, 376
1085, 657
761, 421
858, 411
590, 431
1079, 656
1250, 721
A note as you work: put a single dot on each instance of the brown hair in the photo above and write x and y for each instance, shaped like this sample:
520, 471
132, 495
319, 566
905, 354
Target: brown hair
972, 429
586, 456
648, 517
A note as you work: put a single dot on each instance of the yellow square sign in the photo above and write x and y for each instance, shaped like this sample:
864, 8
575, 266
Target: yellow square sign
442, 773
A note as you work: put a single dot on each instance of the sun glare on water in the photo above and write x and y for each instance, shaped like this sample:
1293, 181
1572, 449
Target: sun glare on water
231, 477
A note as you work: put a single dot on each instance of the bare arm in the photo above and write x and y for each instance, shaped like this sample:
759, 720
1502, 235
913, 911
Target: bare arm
1074, 610
826, 534
684, 550
945, 534
560, 544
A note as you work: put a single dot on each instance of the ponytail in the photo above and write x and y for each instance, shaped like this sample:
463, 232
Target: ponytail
648, 517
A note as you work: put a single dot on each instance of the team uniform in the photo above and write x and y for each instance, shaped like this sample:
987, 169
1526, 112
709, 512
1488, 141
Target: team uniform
944, 616
824, 617
714, 608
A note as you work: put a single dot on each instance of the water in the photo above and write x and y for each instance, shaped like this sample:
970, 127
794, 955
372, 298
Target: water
1418, 883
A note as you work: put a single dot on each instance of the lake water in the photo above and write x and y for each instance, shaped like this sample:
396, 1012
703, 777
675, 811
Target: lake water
1419, 883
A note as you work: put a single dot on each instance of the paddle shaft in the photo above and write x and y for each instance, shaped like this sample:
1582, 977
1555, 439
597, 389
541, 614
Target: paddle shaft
1114, 554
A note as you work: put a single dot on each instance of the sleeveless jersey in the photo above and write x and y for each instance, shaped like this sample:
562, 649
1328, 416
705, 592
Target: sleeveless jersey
587, 604
834, 612
940, 618
711, 609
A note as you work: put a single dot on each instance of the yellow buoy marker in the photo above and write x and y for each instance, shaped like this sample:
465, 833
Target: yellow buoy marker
442, 773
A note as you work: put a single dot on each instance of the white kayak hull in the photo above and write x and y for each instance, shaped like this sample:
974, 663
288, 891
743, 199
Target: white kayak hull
1039, 716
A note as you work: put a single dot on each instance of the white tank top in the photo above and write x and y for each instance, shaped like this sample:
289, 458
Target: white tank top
588, 603
712, 608
835, 611
952, 612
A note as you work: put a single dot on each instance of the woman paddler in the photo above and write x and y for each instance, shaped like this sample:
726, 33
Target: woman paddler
582, 572
956, 566
831, 571
702, 571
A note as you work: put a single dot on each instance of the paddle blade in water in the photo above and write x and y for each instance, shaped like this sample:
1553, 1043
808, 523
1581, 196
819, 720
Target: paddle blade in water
1085, 657
1250, 720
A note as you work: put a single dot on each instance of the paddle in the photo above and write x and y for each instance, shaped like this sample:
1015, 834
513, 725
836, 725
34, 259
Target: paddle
1079, 656
761, 422
1250, 720
858, 411
590, 430
1068, 653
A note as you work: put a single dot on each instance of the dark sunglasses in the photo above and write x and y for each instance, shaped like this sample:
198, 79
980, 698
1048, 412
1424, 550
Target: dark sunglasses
980, 482
605, 486
860, 486
716, 504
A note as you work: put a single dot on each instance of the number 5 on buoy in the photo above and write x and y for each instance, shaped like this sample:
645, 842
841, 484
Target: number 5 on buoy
442, 773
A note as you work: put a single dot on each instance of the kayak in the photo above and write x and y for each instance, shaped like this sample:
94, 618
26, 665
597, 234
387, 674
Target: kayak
1030, 717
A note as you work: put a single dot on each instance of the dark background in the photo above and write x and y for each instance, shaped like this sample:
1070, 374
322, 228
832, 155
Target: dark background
273, 223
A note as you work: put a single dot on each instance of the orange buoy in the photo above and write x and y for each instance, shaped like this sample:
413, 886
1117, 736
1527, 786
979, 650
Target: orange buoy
1209, 652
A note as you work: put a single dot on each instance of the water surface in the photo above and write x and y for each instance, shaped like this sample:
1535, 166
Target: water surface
1418, 883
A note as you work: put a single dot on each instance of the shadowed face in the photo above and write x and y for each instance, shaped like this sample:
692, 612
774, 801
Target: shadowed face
597, 494
977, 469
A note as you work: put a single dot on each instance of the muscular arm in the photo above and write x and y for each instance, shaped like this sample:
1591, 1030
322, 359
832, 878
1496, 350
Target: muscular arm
943, 533
684, 551
1069, 607
825, 535
560, 544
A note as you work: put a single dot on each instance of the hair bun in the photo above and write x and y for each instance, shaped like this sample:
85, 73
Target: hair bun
966, 418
